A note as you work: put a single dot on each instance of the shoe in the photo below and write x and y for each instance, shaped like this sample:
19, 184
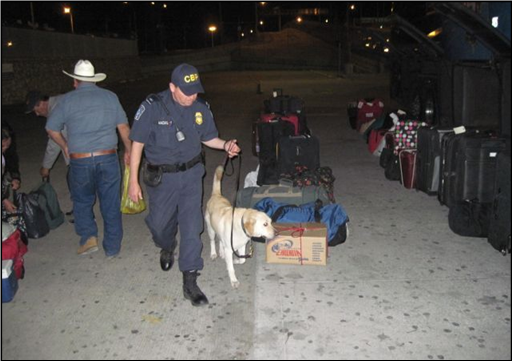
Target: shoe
191, 290
114, 256
88, 247
166, 260
69, 214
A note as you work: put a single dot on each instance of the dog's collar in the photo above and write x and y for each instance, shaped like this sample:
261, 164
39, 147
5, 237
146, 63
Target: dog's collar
243, 227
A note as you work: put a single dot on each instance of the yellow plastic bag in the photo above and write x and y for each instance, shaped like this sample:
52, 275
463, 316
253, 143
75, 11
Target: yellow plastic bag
127, 205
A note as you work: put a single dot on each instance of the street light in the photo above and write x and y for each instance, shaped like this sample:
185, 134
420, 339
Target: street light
67, 10
212, 30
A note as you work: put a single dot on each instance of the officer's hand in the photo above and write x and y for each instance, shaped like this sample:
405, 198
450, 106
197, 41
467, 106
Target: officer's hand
232, 148
134, 192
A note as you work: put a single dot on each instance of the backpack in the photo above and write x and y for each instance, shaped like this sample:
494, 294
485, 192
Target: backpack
49, 203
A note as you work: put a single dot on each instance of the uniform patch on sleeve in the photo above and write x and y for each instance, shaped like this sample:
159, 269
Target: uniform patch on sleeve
140, 111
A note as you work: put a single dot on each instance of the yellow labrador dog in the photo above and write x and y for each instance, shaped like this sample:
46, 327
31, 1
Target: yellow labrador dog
247, 223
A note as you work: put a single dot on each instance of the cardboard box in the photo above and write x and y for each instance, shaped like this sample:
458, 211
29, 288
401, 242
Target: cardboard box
298, 244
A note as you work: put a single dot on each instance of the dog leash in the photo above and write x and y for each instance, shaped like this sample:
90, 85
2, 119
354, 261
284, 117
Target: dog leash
230, 160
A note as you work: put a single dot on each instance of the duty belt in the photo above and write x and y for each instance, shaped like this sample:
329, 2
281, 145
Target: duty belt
178, 167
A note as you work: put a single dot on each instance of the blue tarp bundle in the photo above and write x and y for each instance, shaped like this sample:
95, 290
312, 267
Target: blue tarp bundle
332, 215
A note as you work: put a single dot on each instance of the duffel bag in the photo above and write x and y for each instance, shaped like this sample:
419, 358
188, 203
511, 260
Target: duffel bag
248, 197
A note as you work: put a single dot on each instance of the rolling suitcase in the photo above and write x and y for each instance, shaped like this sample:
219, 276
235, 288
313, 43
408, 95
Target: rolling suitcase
407, 159
297, 120
269, 135
499, 225
469, 170
303, 150
428, 158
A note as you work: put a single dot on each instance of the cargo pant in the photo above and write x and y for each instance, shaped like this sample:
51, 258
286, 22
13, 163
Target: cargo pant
177, 202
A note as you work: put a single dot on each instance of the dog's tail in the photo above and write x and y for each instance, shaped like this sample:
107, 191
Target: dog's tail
216, 179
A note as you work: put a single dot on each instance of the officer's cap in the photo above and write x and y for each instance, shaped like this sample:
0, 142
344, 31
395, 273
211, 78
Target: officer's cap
186, 77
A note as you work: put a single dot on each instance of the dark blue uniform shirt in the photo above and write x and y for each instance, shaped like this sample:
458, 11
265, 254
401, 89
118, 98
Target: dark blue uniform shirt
156, 129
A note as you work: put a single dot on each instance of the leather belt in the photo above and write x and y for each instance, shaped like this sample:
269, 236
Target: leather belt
178, 167
92, 154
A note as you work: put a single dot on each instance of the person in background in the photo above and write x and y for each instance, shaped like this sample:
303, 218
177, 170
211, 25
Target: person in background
42, 106
9, 210
92, 116
12, 161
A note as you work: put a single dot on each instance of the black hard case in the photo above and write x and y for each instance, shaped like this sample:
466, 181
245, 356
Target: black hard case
301, 150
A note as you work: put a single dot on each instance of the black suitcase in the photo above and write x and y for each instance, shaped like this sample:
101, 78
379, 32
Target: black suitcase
428, 158
499, 226
448, 146
352, 114
298, 151
469, 168
268, 137
283, 104
476, 96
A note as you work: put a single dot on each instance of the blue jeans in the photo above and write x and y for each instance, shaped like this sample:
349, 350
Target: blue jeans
99, 175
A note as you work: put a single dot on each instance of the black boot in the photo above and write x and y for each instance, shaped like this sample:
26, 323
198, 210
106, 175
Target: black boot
191, 290
166, 259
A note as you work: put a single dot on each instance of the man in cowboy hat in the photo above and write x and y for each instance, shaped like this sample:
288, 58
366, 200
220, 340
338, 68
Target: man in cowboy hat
92, 115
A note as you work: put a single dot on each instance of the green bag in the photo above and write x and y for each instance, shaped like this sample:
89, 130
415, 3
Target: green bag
248, 197
48, 201
127, 205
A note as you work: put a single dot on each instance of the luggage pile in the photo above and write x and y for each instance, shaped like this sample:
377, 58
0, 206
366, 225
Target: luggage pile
290, 174
467, 168
282, 139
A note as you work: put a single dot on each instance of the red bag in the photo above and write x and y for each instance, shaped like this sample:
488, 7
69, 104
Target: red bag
375, 138
14, 248
368, 110
407, 159
271, 117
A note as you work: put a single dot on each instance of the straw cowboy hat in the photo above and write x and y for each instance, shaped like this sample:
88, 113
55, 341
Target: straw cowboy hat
84, 71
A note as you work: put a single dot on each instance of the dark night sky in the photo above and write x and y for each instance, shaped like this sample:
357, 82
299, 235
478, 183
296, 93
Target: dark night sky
181, 24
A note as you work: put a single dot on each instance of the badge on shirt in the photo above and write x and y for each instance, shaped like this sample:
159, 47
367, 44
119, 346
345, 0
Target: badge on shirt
140, 112
199, 118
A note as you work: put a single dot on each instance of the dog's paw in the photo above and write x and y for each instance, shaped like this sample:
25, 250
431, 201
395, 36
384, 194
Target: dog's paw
237, 260
213, 256
235, 284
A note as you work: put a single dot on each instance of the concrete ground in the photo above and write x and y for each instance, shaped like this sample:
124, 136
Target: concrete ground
402, 287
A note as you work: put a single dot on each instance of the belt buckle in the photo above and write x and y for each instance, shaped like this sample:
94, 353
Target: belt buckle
181, 167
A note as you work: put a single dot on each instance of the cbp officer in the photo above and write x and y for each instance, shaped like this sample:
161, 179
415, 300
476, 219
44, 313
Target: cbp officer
170, 127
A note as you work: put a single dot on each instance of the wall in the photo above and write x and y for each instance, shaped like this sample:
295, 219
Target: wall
36, 60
